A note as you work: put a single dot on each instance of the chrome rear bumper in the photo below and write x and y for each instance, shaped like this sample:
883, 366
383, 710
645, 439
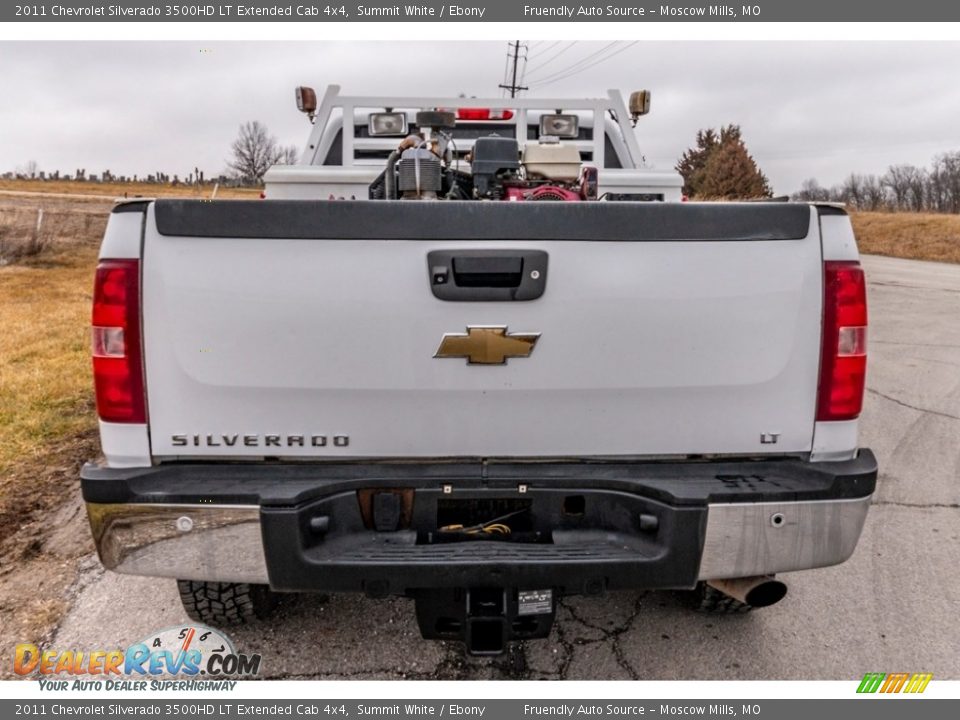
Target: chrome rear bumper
746, 539
187, 542
225, 542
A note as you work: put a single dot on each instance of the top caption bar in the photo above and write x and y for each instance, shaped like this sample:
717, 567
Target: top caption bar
485, 11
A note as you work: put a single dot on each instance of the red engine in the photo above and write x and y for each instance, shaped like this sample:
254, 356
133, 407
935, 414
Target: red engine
584, 189
542, 192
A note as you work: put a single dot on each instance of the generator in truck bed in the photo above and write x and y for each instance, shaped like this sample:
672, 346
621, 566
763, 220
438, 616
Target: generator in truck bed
481, 358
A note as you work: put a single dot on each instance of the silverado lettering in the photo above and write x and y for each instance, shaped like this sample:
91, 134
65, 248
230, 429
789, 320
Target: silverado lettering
259, 440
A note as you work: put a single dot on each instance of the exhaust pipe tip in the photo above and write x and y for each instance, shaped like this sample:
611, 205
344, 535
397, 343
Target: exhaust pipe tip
760, 591
767, 593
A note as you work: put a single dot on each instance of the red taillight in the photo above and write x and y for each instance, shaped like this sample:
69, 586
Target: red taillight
117, 367
843, 362
483, 114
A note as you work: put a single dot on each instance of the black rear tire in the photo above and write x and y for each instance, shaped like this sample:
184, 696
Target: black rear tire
217, 603
710, 600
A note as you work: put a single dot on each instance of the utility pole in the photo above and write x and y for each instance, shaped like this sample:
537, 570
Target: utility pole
513, 87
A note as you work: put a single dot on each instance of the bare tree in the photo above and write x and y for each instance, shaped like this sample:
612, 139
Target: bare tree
810, 191
852, 190
254, 151
948, 167
874, 193
289, 154
917, 189
897, 179
937, 194
27, 170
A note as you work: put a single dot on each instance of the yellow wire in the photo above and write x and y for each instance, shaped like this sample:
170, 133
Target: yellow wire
495, 528
499, 528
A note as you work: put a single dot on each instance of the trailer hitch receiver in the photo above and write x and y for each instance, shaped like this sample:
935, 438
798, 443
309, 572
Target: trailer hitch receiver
485, 619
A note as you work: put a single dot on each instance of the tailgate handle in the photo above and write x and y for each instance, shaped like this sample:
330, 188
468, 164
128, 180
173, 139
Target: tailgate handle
502, 271
487, 275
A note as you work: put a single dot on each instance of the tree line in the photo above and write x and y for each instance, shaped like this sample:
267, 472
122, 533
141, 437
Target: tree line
253, 152
903, 188
719, 167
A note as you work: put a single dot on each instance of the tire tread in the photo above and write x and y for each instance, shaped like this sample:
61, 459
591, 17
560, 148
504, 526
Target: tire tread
712, 601
217, 603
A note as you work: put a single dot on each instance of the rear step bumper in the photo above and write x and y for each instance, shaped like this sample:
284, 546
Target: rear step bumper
586, 526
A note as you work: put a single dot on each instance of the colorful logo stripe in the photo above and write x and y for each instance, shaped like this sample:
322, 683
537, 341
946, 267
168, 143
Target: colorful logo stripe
918, 682
894, 682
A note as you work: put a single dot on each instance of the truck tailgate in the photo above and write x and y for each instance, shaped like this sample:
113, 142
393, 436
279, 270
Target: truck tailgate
309, 329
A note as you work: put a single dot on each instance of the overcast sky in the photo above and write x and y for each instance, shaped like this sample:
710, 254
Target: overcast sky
807, 109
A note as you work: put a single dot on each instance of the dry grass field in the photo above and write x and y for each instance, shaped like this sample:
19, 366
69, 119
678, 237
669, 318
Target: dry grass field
44, 347
915, 236
74, 211
115, 190
33, 227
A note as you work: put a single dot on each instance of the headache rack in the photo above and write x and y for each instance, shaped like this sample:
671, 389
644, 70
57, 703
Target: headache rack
341, 119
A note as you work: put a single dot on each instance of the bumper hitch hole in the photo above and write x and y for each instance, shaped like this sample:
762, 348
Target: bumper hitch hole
485, 602
487, 636
574, 505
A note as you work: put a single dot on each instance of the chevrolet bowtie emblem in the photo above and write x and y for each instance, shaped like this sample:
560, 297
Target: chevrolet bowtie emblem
486, 345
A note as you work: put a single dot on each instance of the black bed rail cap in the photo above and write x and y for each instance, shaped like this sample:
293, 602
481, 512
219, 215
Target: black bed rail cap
481, 220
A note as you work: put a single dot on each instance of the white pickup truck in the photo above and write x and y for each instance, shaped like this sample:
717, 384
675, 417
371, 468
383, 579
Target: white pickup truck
454, 390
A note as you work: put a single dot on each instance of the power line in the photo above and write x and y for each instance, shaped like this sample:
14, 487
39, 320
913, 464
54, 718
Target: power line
543, 50
577, 63
506, 69
586, 67
514, 87
553, 57
523, 71
577, 71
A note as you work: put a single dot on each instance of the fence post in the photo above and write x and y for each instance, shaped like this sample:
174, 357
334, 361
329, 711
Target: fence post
36, 232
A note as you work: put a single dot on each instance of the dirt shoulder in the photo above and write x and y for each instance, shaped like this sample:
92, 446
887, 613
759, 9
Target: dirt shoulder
44, 537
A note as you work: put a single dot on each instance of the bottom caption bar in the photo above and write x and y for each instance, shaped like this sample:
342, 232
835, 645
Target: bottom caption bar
494, 709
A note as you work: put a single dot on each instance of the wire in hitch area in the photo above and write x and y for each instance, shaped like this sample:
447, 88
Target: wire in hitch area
499, 519
493, 527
